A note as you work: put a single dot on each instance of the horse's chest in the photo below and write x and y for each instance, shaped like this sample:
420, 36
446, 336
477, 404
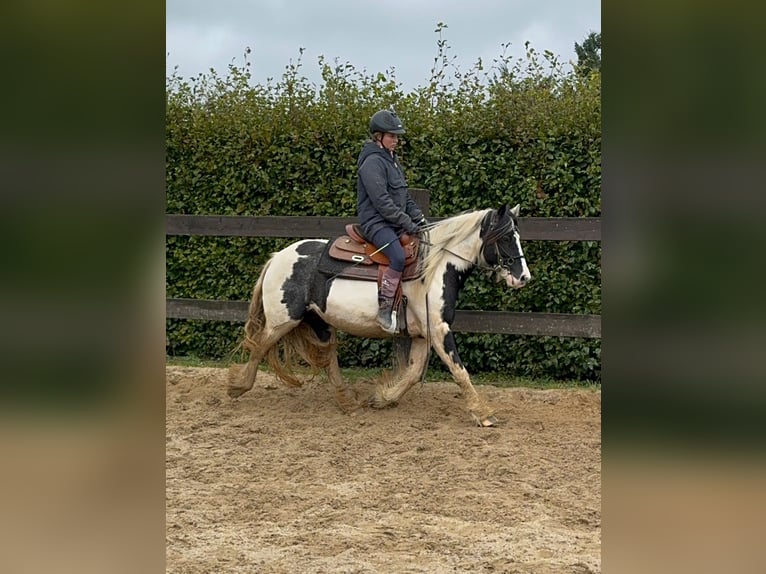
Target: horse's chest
448, 288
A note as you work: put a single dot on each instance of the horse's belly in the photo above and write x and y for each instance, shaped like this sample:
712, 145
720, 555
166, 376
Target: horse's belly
352, 306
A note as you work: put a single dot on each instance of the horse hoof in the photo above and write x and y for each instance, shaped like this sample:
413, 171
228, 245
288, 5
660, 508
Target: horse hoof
490, 421
376, 402
235, 392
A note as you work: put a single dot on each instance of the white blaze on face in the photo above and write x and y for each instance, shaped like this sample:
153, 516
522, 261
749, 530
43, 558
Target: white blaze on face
525, 276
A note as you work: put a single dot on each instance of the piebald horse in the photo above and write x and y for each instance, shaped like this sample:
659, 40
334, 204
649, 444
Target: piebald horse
300, 300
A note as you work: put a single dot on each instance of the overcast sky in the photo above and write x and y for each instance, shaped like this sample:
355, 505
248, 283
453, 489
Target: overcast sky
373, 36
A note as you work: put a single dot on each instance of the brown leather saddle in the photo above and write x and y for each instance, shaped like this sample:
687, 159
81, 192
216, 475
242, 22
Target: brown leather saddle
364, 262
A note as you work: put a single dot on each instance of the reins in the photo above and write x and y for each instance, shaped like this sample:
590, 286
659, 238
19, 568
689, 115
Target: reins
424, 238
498, 267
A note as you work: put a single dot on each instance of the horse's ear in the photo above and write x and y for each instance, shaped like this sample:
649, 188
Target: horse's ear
515, 210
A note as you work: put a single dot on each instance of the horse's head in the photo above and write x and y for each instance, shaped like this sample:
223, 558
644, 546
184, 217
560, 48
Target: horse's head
501, 249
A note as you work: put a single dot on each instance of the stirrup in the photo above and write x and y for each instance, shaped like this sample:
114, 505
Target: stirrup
386, 318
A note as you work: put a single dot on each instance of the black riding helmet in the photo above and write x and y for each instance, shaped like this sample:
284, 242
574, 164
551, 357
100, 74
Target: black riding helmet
387, 122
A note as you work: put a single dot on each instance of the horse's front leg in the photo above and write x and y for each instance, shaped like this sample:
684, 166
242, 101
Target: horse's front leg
443, 343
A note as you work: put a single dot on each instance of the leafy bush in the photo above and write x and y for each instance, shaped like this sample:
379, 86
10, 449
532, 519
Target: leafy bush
526, 131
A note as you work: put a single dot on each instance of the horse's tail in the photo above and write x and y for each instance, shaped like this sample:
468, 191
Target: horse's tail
241, 381
256, 317
283, 355
300, 343
281, 352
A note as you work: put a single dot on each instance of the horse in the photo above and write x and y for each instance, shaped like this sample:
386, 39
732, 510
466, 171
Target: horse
301, 299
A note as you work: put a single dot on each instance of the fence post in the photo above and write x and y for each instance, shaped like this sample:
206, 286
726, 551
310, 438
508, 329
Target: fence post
423, 198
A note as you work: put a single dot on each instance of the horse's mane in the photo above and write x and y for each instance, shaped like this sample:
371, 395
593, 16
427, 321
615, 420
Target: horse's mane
448, 234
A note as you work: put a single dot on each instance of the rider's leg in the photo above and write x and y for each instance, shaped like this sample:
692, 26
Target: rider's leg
391, 278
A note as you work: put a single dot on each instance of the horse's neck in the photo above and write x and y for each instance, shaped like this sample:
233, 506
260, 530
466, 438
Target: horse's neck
455, 259
467, 250
467, 226
444, 251
461, 255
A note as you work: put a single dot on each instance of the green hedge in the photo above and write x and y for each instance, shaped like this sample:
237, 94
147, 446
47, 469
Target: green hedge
528, 133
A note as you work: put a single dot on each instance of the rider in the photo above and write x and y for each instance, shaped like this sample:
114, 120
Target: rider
384, 205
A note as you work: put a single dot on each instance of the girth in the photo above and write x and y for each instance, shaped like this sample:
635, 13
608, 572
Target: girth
363, 261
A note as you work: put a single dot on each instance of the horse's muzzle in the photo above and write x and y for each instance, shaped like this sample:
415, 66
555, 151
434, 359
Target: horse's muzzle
515, 283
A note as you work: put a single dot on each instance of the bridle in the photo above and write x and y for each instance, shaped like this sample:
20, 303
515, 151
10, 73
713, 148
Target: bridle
494, 233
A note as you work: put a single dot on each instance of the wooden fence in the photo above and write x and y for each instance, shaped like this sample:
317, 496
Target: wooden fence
502, 322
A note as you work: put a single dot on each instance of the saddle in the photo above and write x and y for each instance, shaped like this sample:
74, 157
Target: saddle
364, 262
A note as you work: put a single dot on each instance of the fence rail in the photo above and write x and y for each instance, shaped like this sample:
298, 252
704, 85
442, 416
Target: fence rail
532, 228
499, 322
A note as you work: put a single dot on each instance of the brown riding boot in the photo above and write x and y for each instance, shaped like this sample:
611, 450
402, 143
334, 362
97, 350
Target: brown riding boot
386, 313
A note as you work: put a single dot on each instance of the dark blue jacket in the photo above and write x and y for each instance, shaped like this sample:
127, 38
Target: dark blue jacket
382, 198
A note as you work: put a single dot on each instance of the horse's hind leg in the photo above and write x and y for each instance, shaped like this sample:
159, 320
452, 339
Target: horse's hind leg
240, 383
389, 392
344, 394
